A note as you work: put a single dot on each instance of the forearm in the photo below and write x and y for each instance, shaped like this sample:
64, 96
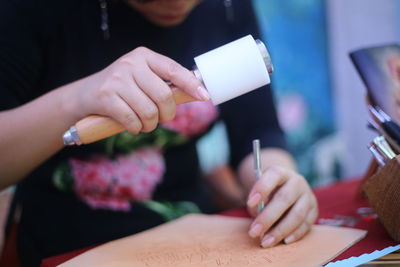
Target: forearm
32, 133
269, 157
131, 91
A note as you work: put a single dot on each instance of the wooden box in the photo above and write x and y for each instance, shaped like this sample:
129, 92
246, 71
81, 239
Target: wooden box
383, 193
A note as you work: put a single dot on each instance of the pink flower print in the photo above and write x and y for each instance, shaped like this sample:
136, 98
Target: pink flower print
192, 118
102, 183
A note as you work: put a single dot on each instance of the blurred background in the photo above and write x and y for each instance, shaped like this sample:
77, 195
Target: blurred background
320, 97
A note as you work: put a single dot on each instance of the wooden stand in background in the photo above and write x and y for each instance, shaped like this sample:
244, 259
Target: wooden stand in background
382, 190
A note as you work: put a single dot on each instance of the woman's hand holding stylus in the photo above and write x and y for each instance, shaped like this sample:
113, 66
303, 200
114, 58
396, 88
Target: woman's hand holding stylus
290, 207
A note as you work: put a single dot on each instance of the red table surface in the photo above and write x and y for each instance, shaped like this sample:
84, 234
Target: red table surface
338, 199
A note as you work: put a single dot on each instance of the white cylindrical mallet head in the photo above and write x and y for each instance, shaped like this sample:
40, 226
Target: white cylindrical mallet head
233, 69
227, 72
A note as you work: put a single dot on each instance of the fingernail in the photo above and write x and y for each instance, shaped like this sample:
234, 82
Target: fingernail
202, 93
267, 241
289, 239
254, 200
255, 230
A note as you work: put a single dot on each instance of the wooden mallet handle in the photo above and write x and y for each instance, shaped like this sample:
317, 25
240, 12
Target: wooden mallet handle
96, 127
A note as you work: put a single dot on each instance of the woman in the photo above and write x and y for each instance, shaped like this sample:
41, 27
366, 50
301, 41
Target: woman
64, 60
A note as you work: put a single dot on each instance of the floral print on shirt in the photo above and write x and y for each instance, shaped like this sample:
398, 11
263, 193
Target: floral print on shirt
104, 183
192, 118
132, 165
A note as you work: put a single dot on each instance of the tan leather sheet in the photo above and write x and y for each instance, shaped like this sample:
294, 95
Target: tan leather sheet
213, 240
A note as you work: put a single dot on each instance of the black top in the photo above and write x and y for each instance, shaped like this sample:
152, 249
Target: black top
46, 44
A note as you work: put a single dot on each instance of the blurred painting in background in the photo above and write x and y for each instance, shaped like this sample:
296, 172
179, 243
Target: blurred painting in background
295, 32
379, 68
